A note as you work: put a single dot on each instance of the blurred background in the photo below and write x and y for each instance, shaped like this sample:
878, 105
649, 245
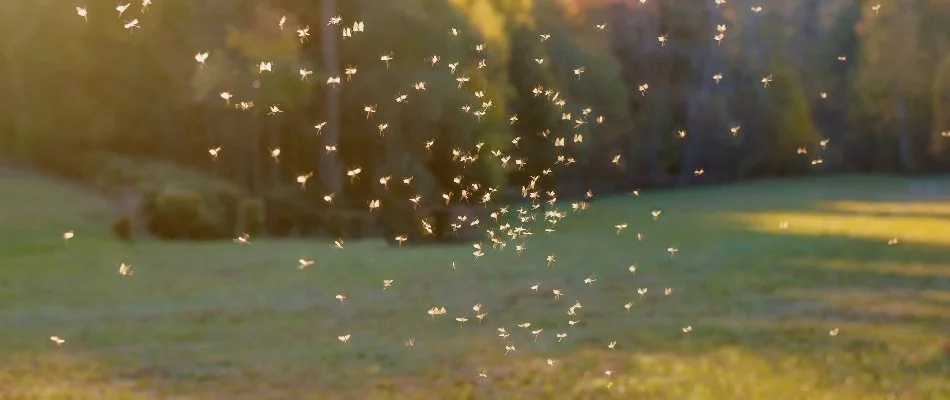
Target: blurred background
685, 93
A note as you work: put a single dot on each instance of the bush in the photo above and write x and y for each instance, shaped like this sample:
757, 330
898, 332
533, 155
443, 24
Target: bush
356, 228
440, 223
395, 218
149, 201
466, 232
224, 203
360, 224
122, 227
399, 218
290, 212
252, 216
337, 222
311, 222
207, 230
181, 214
283, 222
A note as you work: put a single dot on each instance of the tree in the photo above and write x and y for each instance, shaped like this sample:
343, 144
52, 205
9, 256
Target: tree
331, 172
885, 89
939, 139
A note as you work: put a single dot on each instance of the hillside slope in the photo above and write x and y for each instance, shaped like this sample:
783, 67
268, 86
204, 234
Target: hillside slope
33, 203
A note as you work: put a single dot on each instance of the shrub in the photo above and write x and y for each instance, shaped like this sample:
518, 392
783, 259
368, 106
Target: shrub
466, 232
289, 212
224, 204
337, 223
149, 201
180, 214
414, 226
252, 216
361, 224
403, 219
440, 223
122, 227
311, 222
356, 228
282, 222
392, 218
207, 230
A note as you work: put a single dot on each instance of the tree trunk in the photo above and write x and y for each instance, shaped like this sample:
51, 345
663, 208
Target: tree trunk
212, 137
273, 130
655, 136
904, 156
331, 172
697, 109
634, 39
695, 126
20, 117
254, 156
246, 149
235, 168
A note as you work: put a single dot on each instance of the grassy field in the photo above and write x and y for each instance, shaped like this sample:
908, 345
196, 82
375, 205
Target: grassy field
762, 298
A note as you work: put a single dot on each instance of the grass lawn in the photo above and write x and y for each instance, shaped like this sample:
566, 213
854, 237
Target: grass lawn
221, 320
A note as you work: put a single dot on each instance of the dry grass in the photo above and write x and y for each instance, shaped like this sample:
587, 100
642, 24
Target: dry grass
218, 320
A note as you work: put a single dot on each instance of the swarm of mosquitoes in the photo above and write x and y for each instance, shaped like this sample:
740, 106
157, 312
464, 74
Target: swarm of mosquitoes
502, 231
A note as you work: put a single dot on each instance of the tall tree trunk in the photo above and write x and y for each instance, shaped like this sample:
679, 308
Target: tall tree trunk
696, 124
254, 156
634, 39
212, 131
331, 172
246, 153
697, 107
650, 31
20, 116
273, 129
274, 167
904, 156
235, 169
654, 143
13, 55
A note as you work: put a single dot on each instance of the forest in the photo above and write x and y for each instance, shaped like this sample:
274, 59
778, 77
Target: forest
350, 118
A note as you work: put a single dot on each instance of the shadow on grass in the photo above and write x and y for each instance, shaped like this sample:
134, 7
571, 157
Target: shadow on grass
894, 299
869, 319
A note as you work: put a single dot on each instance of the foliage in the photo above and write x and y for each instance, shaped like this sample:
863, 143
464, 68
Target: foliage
939, 139
795, 127
181, 214
337, 223
252, 216
122, 227
227, 206
93, 100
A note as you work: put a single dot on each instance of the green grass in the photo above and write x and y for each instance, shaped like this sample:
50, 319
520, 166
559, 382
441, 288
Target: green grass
219, 320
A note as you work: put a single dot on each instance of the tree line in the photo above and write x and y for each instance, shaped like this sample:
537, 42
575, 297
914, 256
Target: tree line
601, 95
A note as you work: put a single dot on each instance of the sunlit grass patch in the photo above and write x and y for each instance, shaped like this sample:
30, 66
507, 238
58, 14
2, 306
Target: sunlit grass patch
908, 208
63, 375
904, 228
